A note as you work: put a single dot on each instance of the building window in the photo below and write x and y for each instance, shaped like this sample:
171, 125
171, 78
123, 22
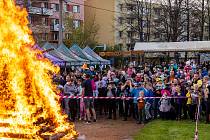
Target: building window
145, 11
76, 23
157, 35
55, 36
144, 23
67, 35
120, 34
76, 9
46, 5
121, 7
206, 38
69, 8
45, 37
54, 21
31, 19
206, 28
130, 7
130, 34
157, 11
130, 20
46, 21
57, 7
120, 20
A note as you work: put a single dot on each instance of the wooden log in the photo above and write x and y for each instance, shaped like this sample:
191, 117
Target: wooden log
56, 136
17, 136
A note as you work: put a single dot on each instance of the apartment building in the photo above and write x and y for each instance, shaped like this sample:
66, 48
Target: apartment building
44, 17
118, 21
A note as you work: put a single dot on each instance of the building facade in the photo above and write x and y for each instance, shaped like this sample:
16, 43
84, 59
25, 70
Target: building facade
124, 23
44, 17
102, 11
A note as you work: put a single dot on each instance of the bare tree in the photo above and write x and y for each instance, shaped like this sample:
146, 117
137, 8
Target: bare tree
172, 19
134, 20
208, 18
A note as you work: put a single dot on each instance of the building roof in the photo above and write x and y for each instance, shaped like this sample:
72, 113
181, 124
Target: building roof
172, 46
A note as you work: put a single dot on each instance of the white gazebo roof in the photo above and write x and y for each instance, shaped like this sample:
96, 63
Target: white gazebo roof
189, 46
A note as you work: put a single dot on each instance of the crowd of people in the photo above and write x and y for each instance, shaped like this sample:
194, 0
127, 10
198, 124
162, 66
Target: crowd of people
168, 91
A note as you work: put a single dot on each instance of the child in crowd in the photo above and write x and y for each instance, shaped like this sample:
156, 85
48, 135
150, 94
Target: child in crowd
141, 105
178, 102
165, 106
189, 102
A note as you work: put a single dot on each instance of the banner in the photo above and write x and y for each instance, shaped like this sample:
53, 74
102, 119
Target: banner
120, 53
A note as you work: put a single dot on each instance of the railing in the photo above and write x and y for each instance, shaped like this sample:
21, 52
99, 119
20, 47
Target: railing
40, 28
40, 11
54, 27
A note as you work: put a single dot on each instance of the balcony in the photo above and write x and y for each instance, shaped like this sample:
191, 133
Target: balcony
54, 27
40, 11
40, 28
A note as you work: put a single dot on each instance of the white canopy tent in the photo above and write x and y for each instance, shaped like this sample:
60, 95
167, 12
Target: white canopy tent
191, 46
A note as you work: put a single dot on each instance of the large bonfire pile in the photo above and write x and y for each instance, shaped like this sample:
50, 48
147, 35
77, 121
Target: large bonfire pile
28, 101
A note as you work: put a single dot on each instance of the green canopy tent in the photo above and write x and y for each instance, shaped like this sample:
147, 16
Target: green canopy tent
65, 51
88, 50
82, 54
55, 53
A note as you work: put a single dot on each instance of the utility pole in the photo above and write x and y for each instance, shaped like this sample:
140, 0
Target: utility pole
60, 41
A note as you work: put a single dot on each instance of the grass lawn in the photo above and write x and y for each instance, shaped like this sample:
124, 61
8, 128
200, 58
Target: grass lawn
173, 130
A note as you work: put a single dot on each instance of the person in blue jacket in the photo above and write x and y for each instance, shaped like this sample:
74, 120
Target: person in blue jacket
135, 89
148, 92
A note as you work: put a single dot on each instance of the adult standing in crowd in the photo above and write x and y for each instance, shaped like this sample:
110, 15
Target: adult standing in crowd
183, 80
70, 104
87, 91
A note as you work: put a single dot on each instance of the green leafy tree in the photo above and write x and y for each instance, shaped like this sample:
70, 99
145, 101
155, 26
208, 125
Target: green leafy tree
84, 35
